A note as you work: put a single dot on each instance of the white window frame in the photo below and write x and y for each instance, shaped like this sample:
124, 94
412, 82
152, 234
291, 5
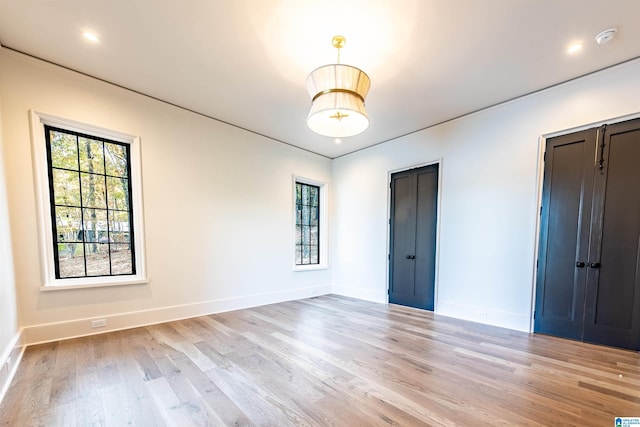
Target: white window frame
43, 203
324, 225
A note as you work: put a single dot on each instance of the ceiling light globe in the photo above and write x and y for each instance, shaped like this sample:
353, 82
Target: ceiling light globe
338, 115
324, 123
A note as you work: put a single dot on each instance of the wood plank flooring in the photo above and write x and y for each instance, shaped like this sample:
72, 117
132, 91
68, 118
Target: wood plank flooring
326, 361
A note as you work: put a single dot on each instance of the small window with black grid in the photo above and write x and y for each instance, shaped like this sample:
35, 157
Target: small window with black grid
307, 224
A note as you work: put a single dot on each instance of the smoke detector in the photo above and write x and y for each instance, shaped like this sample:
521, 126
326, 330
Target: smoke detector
606, 36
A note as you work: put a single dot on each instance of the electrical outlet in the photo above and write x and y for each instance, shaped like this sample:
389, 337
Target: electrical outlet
99, 323
481, 313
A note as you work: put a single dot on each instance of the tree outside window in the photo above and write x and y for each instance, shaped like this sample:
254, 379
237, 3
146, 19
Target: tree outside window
90, 190
307, 224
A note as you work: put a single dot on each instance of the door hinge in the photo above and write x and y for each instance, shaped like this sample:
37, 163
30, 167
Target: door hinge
537, 263
544, 156
601, 131
534, 314
540, 210
389, 257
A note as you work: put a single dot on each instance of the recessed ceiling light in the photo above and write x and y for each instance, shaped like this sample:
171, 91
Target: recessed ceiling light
574, 48
90, 36
337, 141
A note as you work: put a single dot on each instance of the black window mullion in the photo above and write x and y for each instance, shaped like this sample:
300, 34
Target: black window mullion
131, 230
83, 231
54, 224
318, 226
106, 201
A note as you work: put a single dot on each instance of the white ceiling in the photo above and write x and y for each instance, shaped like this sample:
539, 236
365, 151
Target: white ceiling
244, 62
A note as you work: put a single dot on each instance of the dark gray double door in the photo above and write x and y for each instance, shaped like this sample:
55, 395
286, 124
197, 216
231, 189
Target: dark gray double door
588, 285
412, 255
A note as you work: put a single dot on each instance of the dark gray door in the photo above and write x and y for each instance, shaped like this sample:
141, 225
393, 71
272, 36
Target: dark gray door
414, 195
589, 261
613, 281
564, 234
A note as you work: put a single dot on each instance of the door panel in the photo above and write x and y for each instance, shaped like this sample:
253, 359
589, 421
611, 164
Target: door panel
564, 234
425, 262
613, 290
414, 196
403, 226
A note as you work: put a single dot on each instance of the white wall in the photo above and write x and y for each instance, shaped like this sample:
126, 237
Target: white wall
217, 203
218, 211
9, 328
489, 197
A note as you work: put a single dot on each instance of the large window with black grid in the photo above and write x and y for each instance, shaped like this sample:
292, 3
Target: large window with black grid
91, 209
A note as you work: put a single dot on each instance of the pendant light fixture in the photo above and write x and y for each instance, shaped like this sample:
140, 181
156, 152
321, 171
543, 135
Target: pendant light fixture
337, 94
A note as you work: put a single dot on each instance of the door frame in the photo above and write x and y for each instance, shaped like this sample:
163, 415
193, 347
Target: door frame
438, 162
542, 144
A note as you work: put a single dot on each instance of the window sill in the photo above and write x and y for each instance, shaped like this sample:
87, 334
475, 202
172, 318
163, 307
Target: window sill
66, 284
312, 267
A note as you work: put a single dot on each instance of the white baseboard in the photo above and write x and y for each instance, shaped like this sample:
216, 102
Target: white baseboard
37, 334
503, 319
363, 294
12, 353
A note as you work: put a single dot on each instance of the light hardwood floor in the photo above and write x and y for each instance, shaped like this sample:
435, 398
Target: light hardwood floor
322, 361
